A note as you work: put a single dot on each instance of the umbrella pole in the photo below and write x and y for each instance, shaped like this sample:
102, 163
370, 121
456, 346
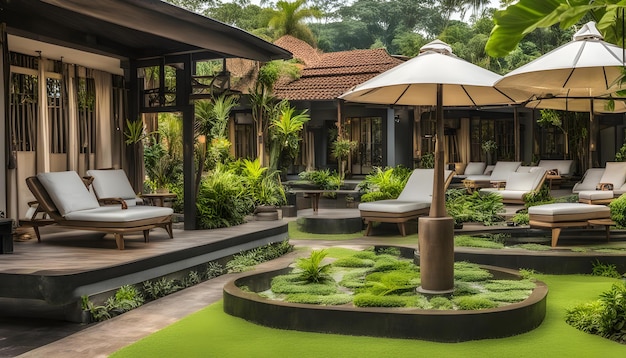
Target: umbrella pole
436, 232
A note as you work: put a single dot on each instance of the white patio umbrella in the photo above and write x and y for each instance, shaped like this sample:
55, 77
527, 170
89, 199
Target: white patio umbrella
586, 67
438, 78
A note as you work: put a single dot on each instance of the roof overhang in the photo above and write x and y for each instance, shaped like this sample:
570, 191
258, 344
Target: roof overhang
131, 29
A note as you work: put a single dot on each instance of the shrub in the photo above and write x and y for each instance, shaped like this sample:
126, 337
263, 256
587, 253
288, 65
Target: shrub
370, 300
353, 262
160, 288
465, 289
539, 197
192, 278
213, 269
472, 241
334, 299
511, 296
325, 179
618, 210
533, 247
395, 282
312, 269
292, 283
441, 303
521, 218
605, 317
605, 270
476, 207
473, 303
221, 200
508, 285
393, 251
385, 183
125, 299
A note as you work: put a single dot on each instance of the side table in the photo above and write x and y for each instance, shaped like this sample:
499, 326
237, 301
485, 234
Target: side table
158, 199
607, 225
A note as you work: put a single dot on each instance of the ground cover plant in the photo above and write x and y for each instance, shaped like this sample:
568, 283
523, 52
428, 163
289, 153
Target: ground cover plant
129, 297
373, 279
211, 332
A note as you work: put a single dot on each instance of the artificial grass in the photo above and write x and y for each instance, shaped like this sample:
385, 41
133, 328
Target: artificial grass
212, 333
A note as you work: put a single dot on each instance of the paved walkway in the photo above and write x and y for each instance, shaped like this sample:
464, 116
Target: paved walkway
104, 338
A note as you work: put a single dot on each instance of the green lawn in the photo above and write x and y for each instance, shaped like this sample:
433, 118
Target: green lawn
212, 333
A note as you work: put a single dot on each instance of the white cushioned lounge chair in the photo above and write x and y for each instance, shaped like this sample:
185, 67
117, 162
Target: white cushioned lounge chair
472, 168
113, 184
413, 201
518, 184
563, 167
66, 200
589, 181
500, 173
615, 176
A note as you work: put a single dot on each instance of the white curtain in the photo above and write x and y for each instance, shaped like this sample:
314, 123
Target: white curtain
69, 80
43, 125
104, 116
463, 135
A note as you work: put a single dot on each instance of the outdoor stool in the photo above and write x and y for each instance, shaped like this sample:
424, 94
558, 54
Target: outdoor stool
595, 196
559, 215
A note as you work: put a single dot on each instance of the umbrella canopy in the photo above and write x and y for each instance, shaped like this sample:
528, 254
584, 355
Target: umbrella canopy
435, 77
587, 65
415, 82
580, 104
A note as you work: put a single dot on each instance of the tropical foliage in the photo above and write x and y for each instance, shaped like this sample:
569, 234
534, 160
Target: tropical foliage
285, 136
384, 183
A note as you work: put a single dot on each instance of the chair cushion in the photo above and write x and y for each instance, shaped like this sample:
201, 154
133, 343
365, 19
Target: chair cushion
525, 181
568, 208
112, 184
68, 192
589, 181
502, 170
475, 168
596, 194
419, 187
393, 206
115, 214
563, 166
614, 173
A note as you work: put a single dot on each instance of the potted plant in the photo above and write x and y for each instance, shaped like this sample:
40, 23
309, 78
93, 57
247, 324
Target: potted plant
265, 188
341, 150
489, 147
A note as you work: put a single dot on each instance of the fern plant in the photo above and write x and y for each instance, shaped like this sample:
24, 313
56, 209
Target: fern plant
312, 269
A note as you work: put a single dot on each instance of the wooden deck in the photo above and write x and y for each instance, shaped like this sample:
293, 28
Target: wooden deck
51, 276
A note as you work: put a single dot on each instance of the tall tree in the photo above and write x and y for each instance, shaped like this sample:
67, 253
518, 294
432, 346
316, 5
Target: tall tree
289, 20
522, 18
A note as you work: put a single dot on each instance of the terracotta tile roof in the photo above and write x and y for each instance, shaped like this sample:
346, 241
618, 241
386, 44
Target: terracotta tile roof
300, 49
335, 73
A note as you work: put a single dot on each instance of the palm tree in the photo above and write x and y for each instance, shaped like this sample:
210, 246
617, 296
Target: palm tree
285, 131
287, 20
525, 16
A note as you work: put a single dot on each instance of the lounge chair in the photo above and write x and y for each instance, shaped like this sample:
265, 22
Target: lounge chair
518, 184
113, 184
413, 201
472, 168
612, 184
561, 167
589, 181
498, 175
66, 200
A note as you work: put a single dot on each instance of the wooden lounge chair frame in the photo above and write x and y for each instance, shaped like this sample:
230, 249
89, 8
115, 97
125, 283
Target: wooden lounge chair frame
118, 229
